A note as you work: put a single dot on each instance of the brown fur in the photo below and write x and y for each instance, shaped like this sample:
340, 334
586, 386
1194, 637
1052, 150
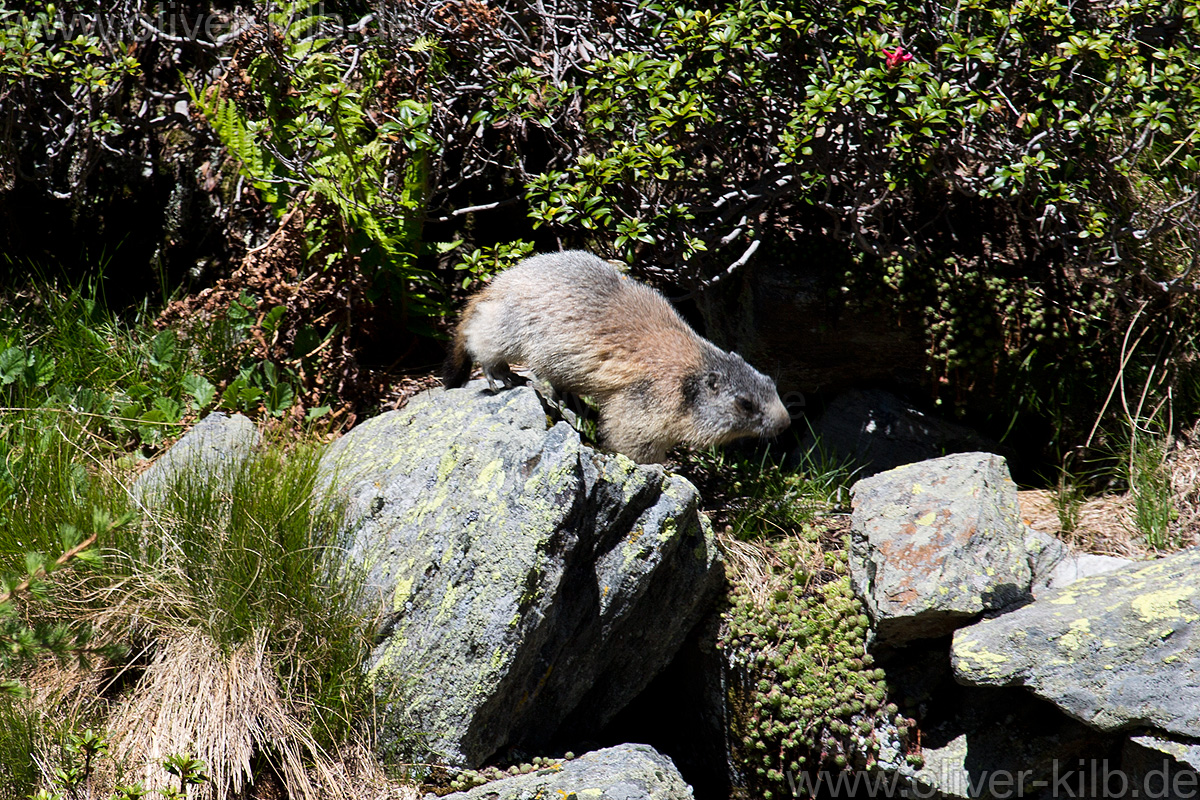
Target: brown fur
583, 328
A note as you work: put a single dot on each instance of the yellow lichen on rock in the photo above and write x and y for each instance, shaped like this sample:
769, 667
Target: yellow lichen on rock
1164, 605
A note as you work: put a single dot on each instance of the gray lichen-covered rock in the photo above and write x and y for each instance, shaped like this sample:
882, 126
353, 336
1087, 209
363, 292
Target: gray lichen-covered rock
1158, 767
216, 445
1116, 650
624, 772
1055, 565
936, 544
532, 586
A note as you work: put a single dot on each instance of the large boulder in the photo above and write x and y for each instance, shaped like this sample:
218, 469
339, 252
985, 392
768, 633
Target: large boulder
531, 586
936, 544
624, 772
1116, 650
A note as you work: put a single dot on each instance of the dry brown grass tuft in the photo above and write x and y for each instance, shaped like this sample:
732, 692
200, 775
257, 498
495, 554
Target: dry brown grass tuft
1184, 464
1103, 525
221, 708
67, 690
359, 771
224, 709
749, 564
759, 568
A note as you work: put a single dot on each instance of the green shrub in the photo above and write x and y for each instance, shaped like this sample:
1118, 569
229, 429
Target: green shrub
43, 55
300, 114
1016, 177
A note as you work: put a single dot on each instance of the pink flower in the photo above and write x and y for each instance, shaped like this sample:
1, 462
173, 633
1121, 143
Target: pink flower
896, 57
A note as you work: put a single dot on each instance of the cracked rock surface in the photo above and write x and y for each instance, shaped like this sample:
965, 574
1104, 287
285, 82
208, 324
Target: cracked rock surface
530, 586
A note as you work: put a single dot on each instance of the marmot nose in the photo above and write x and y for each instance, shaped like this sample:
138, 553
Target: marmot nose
780, 419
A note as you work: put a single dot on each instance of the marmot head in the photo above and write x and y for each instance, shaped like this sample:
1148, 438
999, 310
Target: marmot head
728, 399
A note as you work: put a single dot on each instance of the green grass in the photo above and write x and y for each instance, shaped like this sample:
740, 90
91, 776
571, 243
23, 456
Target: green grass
752, 498
1068, 502
1150, 484
251, 554
50, 501
22, 734
248, 556
256, 550
63, 352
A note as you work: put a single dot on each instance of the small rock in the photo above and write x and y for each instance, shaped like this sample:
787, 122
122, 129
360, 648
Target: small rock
936, 544
1083, 565
1045, 554
217, 445
624, 772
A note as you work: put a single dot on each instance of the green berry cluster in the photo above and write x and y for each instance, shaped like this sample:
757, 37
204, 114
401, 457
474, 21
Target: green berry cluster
811, 696
470, 778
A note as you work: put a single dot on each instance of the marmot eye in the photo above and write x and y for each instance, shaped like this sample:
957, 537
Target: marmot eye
745, 405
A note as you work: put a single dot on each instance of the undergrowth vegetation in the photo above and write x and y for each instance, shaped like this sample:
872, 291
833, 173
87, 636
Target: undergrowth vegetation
1016, 179
751, 497
1008, 180
810, 697
203, 615
805, 693
309, 189
223, 595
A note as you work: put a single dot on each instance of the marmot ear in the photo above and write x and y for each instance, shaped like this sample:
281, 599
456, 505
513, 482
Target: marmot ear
713, 379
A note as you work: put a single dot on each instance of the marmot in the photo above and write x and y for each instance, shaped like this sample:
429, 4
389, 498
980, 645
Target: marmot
582, 327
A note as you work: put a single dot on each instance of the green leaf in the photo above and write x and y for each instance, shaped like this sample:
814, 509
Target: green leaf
279, 399
200, 390
12, 365
271, 321
171, 409
163, 349
43, 370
